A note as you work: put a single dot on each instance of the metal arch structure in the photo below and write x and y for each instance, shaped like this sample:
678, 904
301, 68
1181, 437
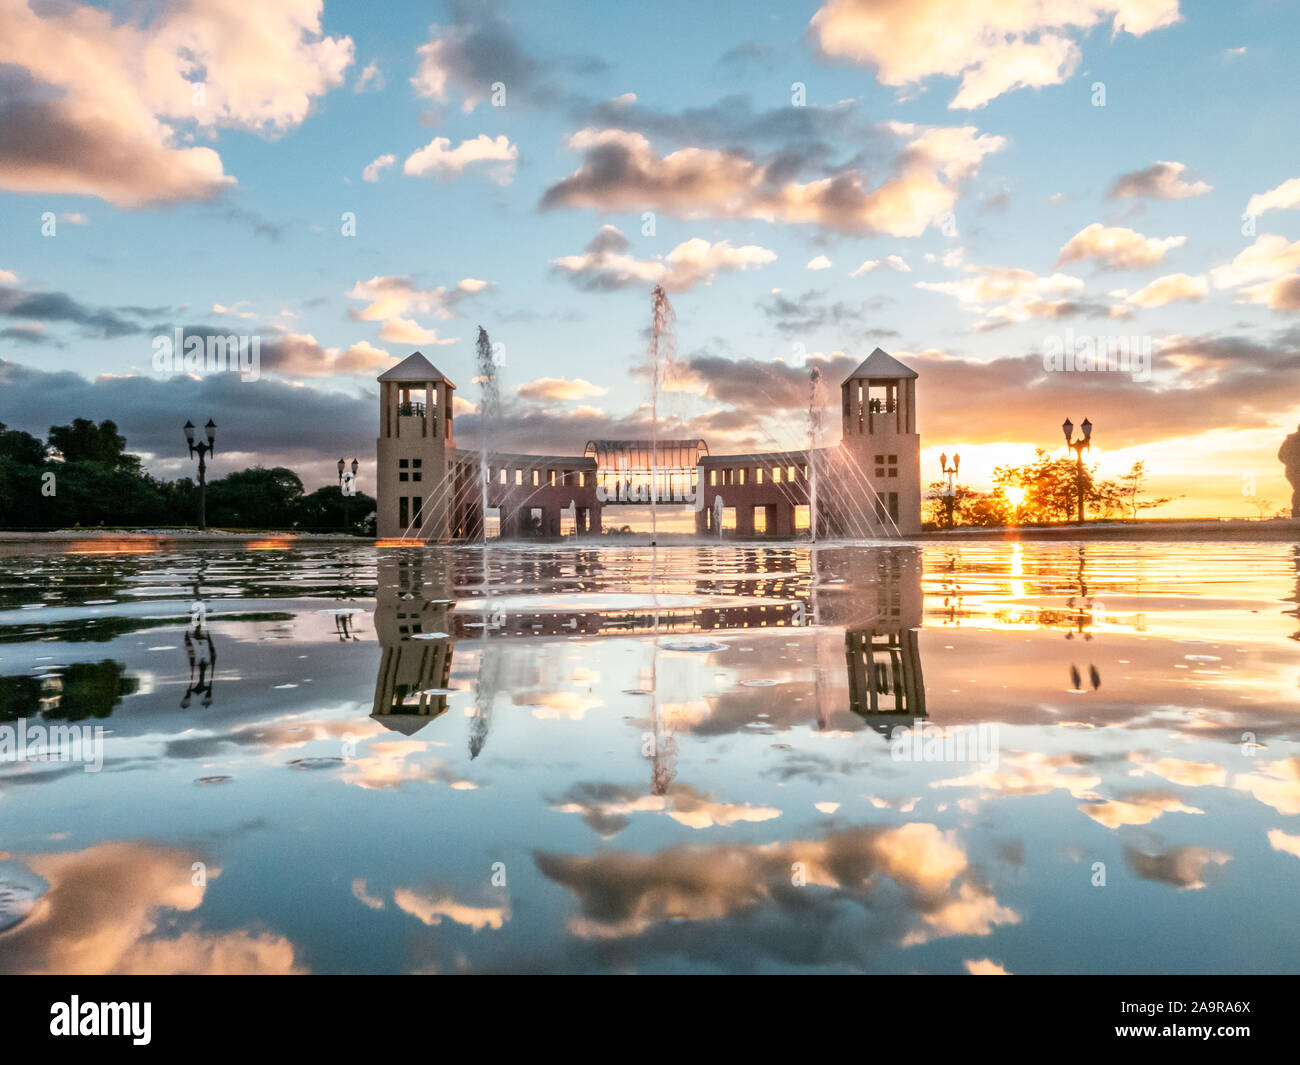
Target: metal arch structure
645, 454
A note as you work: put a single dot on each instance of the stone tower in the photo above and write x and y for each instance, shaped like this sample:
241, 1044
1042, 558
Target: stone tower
413, 451
882, 449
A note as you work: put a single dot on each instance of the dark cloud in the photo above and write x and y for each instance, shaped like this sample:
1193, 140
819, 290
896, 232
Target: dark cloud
804, 314
59, 307
265, 421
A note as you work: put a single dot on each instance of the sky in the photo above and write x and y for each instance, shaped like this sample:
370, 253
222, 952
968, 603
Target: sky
971, 185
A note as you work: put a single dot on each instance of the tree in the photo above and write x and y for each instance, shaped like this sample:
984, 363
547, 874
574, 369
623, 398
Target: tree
84, 441
257, 498
1050, 487
1130, 487
323, 511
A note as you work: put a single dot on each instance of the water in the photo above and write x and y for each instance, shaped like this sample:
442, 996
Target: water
669, 770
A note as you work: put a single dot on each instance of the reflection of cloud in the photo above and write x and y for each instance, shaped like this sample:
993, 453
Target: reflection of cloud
359, 893
1275, 784
385, 765
1183, 867
1281, 841
985, 967
431, 908
1140, 808
626, 894
560, 706
606, 808
1188, 774
103, 912
1029, 773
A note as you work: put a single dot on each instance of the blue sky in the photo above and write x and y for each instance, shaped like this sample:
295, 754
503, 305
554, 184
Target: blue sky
961, 139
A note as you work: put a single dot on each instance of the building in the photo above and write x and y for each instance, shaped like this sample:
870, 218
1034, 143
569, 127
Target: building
867, 486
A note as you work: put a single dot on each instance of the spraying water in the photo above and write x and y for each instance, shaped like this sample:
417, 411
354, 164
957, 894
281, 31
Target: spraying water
663, 347
489, 412
814, 442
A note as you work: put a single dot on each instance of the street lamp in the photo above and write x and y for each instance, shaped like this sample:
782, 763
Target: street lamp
1078, 447
348, 488
203, 451
950, 491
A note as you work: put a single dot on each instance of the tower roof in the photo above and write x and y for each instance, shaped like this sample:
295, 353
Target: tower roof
880, 364
415, 367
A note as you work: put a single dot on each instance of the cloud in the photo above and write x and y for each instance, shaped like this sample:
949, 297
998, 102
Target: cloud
439, 159
476, 52
1172, 288
1160, 181
1272, 261
559, 388
391, 299
302, 355
267, 422
819, 262
607, 264
1284, 197
891, 262
1116, 248
622, 171
994, 46
372, 170
47, 307
1007, 295
371, 79
93, 103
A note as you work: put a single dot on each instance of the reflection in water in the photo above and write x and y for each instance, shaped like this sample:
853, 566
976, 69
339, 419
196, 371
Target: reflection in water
766, 827
413, 625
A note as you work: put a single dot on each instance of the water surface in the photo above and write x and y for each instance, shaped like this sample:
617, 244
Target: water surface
721, 758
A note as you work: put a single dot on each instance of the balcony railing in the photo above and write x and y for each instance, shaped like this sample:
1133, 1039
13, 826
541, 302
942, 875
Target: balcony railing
411, 410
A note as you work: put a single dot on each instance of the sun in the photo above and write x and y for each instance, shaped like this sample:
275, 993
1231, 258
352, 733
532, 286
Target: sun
1015, 496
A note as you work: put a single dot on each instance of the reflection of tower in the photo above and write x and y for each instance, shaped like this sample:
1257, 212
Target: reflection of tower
881, 615
413, 624
1295, 611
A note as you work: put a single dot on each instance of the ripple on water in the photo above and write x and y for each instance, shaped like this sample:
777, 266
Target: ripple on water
213, 780
693, 646
315, 763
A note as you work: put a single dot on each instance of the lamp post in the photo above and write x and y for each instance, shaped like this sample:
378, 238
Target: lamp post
950, 491
1078, 447
203, 450
347, 487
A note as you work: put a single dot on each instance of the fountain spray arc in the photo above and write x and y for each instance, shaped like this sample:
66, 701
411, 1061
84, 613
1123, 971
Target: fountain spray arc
663, 349
489, 414
814, 444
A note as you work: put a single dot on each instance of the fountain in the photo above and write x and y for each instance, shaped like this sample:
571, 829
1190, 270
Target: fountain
663, 344
814, 442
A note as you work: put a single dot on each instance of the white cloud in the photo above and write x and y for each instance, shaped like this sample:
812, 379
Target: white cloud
439, 159
994, 46
1284, 197
1117, 248
372, 170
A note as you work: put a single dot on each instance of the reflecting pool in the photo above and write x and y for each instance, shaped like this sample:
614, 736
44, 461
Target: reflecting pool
978, 758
